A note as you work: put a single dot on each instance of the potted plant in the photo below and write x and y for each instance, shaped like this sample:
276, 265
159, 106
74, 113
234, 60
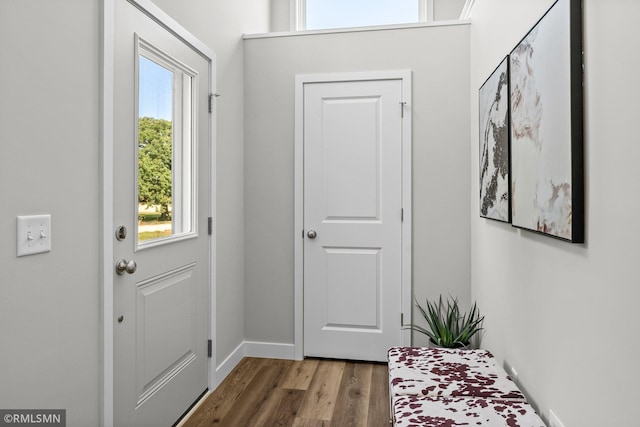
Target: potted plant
448, 327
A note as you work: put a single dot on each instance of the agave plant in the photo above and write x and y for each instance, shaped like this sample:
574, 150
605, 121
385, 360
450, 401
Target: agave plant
447, 327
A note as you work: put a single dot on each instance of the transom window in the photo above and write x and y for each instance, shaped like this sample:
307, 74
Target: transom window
328, 14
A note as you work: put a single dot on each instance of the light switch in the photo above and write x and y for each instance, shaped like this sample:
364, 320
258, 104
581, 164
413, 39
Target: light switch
33, 234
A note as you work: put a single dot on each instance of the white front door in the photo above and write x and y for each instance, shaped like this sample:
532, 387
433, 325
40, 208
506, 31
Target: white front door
353, 200
161, 197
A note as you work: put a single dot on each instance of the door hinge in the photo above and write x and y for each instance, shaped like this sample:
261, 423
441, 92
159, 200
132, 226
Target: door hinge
402, 104
211, 96
401, 319
402, 214
210, 348
210, 226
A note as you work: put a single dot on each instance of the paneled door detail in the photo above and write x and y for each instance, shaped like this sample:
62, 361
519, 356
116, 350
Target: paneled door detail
161, 208
352, 218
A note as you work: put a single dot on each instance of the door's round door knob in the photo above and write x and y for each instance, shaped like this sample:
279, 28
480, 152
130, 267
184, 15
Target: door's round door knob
312, 234
124, 266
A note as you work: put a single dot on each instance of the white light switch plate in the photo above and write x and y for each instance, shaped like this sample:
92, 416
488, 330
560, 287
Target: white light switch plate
33, 234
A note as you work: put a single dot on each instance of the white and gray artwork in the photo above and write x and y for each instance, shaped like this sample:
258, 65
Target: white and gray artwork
494, 145
541, 139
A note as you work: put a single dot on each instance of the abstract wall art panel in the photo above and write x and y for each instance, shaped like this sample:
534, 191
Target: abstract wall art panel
494, 145
545, 69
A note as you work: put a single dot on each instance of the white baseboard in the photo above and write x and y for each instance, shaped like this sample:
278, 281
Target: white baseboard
269, 350
228, 364
252, 349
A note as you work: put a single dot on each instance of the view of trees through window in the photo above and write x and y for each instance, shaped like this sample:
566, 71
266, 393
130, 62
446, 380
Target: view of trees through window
155, 164
155, 150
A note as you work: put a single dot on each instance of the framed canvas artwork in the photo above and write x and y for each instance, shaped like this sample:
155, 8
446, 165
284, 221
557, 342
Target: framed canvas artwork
545, 78
493, 110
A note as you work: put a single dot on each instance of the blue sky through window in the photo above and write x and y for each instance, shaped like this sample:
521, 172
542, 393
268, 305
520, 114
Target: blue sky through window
156, 89
354, 13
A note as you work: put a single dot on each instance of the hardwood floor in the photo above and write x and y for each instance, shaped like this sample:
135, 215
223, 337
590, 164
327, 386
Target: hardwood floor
308, 393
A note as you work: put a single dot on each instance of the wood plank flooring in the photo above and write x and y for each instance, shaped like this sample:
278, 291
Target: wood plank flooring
308, 393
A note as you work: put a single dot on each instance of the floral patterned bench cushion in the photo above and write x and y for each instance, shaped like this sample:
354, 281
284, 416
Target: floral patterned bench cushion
420, 411
448, 373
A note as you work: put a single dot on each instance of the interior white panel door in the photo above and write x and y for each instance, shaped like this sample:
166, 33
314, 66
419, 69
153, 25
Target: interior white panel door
352, 218
161, 307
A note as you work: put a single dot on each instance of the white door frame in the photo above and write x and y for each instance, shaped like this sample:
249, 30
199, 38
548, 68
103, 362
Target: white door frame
107, 189
301, 80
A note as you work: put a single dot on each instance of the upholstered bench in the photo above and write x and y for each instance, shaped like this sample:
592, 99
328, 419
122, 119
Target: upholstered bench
421, 411
448, 373
428, 384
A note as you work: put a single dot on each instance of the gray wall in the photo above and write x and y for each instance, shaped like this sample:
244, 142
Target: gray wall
49, 110
220, 25
559, 312
439, 59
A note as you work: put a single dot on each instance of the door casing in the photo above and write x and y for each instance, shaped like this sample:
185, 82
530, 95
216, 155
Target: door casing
301, 80
107, 193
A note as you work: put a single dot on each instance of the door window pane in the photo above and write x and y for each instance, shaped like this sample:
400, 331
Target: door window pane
155, 151
322, 14
166, 169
